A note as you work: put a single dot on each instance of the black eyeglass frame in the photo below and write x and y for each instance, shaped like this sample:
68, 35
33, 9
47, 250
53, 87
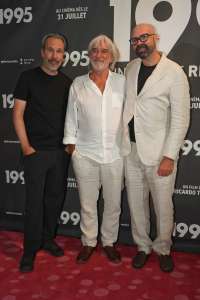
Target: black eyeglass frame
142, 38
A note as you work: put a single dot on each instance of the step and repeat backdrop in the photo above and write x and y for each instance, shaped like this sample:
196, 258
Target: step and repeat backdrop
23, 24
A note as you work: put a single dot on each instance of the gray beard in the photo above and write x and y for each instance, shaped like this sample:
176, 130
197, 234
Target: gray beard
144, 53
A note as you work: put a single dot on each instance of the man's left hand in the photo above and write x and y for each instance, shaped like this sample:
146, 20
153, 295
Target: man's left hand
166, 166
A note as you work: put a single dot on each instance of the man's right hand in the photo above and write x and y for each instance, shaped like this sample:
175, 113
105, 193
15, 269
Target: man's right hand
28, 151
70, 148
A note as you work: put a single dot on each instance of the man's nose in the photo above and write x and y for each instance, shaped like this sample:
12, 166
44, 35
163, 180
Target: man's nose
54, 54
139, 42
98, 53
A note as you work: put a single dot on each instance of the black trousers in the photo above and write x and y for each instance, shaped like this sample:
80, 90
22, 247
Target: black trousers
46, 182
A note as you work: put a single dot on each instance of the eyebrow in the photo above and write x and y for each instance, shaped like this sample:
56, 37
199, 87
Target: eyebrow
144, 34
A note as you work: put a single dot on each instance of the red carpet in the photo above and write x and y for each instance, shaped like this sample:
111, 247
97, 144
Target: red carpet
62, 279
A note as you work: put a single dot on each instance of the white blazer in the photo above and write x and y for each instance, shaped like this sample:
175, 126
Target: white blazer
161, 111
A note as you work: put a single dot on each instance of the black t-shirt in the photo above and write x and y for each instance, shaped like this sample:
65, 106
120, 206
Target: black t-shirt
44, 115
144, 73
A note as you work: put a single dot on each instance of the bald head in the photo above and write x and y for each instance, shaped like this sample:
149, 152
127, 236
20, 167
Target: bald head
143, 28
144, 41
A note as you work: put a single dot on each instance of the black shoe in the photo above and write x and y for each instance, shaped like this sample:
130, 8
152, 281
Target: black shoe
84, 254
166, 263
52, 248
112, 254
139, 260
27, 263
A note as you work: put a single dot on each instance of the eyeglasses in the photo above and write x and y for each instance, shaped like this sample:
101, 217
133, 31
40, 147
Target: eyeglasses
142, 38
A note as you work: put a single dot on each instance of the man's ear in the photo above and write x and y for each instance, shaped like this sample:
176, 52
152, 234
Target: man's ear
157, 37
42, 53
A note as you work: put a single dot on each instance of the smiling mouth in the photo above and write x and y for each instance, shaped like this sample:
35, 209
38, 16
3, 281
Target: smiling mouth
142, 50
53, 62
99, 61
142, 47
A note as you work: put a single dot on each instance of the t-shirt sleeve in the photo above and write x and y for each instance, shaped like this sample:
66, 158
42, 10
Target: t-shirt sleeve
22, 88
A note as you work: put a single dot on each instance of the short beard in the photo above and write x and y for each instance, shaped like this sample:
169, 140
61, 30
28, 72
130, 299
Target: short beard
99, 66
146, 51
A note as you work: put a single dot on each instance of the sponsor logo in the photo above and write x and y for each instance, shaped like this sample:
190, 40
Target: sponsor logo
20, 61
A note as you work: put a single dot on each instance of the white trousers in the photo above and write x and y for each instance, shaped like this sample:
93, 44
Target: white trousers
140, 180
90, 176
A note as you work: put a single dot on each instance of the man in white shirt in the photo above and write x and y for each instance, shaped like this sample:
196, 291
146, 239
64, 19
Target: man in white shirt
93, 134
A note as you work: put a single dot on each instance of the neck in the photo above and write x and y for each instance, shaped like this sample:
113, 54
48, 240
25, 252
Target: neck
153, 59
101, 75
99, 78
49, 72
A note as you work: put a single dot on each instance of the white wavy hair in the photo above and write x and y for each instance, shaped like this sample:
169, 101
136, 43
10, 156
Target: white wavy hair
111, 46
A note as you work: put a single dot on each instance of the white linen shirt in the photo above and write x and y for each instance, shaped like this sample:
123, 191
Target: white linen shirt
94, 120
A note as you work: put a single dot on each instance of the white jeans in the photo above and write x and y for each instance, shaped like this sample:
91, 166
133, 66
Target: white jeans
90, 175
140, 180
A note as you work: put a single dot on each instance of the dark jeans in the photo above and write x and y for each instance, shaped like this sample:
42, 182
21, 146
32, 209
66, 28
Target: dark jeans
46, 183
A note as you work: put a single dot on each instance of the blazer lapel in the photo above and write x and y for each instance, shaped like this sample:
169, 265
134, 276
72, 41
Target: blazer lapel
155, 77
131, 89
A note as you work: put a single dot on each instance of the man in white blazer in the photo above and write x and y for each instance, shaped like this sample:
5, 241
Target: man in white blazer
156, 119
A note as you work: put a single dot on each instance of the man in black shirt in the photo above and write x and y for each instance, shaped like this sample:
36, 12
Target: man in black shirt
39, 112
157, 111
